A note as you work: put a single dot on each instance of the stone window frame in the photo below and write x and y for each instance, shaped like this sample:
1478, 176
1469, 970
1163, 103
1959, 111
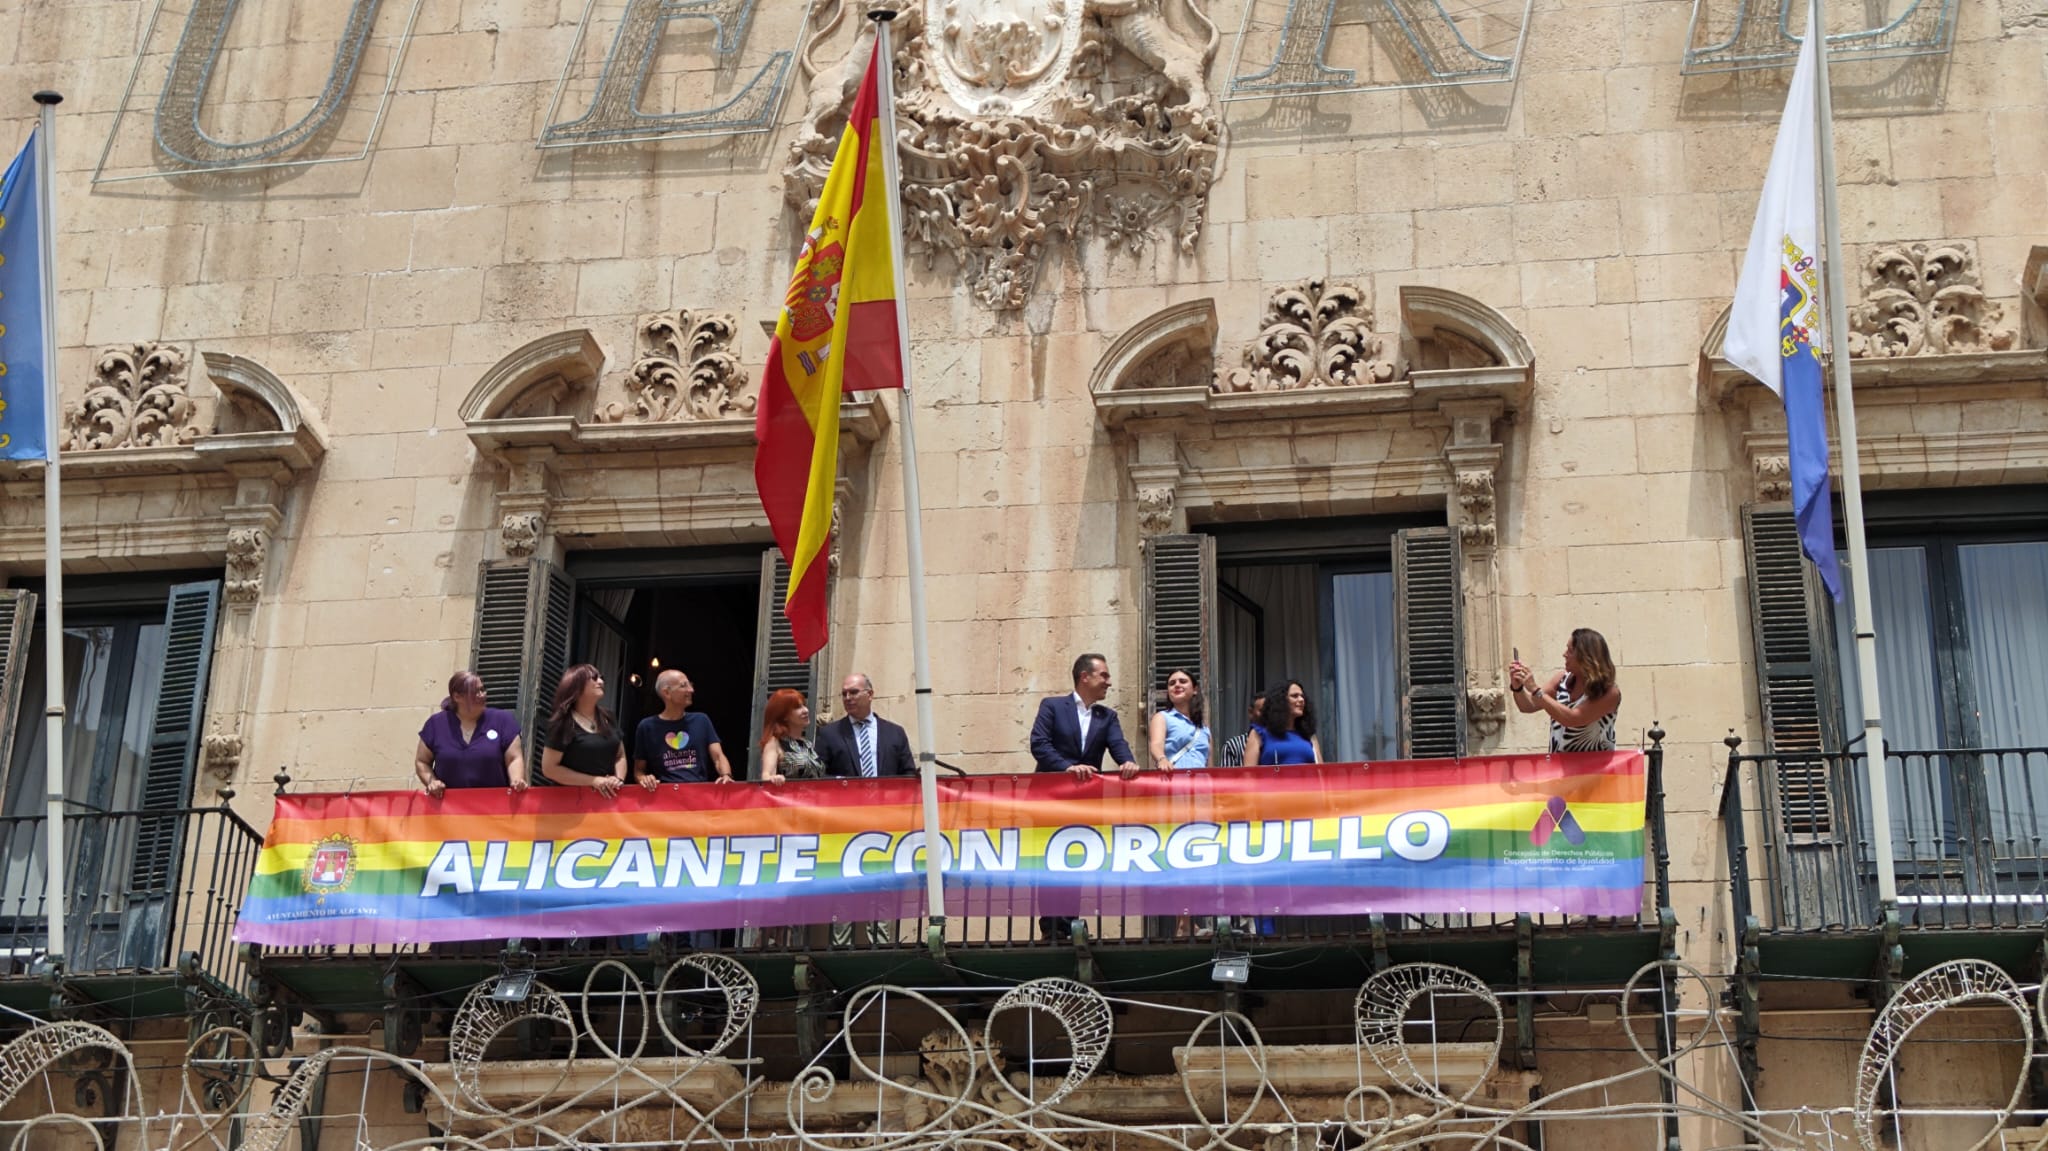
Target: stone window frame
1926, 340
1456, 368
1936, 452
534, 414
231, 460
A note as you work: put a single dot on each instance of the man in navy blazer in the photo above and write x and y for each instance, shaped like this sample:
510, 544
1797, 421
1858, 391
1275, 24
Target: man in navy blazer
1073, 732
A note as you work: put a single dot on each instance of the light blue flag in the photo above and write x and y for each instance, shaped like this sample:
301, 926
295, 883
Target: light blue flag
23, 389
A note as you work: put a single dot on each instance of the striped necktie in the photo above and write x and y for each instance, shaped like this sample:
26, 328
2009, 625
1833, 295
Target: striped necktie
867, 749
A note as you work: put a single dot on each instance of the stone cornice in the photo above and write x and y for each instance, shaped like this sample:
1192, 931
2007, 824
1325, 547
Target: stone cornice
661, 520
1265, 490
1946, 459
861, 421
1897, 380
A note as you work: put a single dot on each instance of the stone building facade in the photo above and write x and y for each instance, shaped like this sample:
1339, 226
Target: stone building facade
434, 343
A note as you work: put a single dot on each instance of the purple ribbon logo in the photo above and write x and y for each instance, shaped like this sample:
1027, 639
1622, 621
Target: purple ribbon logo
1557, 819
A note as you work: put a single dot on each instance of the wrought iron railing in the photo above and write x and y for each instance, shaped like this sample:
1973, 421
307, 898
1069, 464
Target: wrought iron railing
143, 889
1969, 838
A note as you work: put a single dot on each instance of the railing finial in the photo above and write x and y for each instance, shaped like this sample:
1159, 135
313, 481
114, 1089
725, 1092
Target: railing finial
1656, 733
283, 778
1733, 741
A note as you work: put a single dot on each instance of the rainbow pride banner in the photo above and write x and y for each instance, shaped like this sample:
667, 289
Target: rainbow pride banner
1500, 834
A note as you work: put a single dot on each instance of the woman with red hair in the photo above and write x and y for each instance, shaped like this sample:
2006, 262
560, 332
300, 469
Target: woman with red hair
785, 753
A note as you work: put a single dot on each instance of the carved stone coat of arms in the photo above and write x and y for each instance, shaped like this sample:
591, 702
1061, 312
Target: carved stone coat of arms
1030, 122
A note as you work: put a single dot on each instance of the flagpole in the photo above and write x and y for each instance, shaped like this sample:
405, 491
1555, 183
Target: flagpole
1852, 477
53, 543
913, 529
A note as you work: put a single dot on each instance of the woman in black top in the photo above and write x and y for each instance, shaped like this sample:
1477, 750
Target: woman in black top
583, 744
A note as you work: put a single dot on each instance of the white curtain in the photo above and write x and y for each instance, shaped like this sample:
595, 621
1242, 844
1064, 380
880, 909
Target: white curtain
1364, 719
2005, 607
1910, 685
2005, 600
1354, 695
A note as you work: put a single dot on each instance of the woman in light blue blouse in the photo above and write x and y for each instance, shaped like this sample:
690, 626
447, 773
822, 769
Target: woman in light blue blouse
1179, 738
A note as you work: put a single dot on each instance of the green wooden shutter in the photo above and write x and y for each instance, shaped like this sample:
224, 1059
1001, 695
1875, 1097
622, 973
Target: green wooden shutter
1179, 613
520, 648
554, 622
498, 643
17, 620
1429, 620
174, 727
775, 663
1795, 672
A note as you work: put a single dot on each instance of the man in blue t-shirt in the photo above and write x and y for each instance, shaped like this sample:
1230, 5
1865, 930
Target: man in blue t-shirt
677, 746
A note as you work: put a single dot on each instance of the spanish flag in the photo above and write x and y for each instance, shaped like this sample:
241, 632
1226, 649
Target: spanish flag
838, 332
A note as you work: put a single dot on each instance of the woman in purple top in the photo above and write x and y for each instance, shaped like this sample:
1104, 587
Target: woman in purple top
466, 744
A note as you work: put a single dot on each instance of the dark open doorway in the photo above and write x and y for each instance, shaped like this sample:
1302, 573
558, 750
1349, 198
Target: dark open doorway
697, 610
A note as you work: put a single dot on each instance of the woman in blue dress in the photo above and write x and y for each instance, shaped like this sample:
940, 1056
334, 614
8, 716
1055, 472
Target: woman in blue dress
1179, 737
1287, 731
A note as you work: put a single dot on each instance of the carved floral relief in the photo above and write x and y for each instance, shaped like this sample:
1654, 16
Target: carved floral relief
1315, 334
1925, 300
139, 398
688, 369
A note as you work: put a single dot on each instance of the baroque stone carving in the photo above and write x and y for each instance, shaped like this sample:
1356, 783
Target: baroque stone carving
1486, 709
521, 532
1773, 477
1028, 122
688, 370
223, 754
1155, 511
1925, 300
1475, 499
1315, 334
138, 399
247, 550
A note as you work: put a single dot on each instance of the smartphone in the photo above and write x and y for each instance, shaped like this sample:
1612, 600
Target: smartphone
1517, 656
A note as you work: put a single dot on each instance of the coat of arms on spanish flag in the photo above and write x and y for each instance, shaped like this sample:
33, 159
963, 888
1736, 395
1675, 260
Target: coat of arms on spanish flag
838, 332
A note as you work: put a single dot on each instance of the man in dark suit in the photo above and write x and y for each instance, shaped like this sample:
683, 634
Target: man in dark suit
861, 744
1073, 732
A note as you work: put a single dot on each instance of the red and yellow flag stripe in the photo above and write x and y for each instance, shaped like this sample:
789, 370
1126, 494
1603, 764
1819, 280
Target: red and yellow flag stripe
838, 332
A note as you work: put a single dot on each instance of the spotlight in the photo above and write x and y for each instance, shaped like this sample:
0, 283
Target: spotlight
655, 662
513, 987
1231, 967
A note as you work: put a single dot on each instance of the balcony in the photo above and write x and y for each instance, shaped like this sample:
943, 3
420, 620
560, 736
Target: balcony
152, 898
1969, 840
1149, 955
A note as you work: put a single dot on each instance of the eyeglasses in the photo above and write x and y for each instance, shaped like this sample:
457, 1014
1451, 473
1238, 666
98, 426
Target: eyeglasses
852, 693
